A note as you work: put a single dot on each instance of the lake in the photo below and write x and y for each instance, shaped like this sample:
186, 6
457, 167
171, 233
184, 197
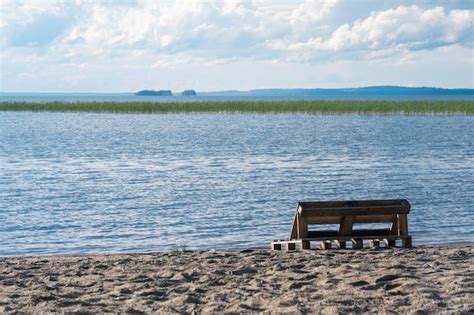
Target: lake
84, 182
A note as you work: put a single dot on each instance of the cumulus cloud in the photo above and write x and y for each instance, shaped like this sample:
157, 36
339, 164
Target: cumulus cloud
310, 11
29, 23
88, 35
231, 28
411, 26
222, 28
403, 28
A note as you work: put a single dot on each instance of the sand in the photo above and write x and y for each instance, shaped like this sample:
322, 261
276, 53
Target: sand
422, 279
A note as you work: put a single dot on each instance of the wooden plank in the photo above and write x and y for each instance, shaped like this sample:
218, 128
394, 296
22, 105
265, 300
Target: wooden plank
283, 242
345, 228
354, 233
357, 219
323, 204
294, 229
349, 238
394, 228
324, 220
325, 245
355, 211
302, 227
305, 245
352, 203
403, 224
299, 208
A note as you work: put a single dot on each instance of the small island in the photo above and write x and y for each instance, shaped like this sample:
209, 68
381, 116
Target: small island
188, 93
154, 93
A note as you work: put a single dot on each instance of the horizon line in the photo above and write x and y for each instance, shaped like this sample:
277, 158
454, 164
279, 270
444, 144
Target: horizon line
250, 90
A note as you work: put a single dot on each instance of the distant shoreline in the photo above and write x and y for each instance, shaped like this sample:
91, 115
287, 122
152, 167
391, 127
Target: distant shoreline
381, 91
451, 107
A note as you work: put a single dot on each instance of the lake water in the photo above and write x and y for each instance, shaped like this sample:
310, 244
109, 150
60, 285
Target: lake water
84, 182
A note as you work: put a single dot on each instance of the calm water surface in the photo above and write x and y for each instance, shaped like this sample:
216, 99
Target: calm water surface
80, 182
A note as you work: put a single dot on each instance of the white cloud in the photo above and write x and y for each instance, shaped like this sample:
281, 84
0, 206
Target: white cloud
91, 40
219, 28
311, 10
24, 12
400, 29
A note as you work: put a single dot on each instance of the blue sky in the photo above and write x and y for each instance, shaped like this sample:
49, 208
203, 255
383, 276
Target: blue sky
121, 46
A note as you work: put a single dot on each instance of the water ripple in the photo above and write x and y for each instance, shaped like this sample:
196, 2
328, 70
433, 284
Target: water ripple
79, 182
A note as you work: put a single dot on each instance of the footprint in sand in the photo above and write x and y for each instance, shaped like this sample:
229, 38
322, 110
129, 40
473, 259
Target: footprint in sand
153, 294
359, 283
387, 278
126, 291
242, 271
391, 286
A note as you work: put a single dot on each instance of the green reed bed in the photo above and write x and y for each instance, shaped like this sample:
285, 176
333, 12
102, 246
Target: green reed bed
317, 106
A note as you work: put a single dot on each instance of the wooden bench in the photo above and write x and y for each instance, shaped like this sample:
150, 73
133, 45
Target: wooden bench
347, 213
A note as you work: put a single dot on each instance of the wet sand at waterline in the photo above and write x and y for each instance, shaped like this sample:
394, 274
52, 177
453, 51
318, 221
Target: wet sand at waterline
425, 278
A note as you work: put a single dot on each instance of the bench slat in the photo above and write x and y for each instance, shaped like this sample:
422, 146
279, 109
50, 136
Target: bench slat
357, 219
354, 233
380, 210
352, 203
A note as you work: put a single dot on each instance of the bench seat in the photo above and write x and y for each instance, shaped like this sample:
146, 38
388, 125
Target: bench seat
365, 232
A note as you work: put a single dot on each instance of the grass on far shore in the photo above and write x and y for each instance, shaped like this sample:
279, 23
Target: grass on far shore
291, 106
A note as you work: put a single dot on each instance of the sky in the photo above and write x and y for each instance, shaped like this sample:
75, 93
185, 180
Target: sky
130, 45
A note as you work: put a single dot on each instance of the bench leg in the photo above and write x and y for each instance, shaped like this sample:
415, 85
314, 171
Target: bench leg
290, 246
305, 245
403, 224
357, 244
406, 242
341, 244
276, 246
325, 245
390, 243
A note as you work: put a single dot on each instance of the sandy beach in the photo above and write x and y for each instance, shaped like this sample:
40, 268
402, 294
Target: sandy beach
422, 279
